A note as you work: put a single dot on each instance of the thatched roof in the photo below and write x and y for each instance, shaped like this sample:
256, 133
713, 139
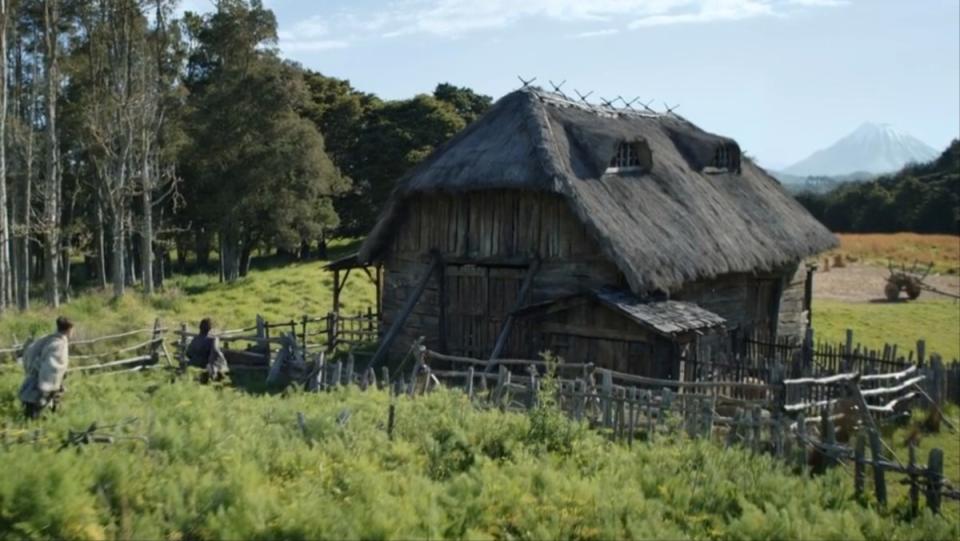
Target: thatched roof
663, 227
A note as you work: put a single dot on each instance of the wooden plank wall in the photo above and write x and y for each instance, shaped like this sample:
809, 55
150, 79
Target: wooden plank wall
746, 301
504, 225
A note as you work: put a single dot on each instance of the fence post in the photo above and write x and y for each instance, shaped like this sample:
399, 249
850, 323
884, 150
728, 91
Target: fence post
337, 373
936, 363
182, 354
801, 440
914, 487
391, 419
876, 454
632, 396
579, 398
331, 331
607, 392
859, 458
349, 368
934, 479
921, 351
304, 335
470, 383
848, 352
534, 390
732, 433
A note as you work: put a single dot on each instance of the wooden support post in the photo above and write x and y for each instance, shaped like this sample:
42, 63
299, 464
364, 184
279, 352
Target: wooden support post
404, 314
921, 352
653, 417
632, 397
534, 388
384, 376
303, 335
934, 479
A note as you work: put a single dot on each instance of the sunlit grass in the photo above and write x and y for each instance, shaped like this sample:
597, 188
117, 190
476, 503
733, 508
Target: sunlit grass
903, 323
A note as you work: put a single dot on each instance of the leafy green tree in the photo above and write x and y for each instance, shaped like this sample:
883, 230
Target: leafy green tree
468, 104
257, 167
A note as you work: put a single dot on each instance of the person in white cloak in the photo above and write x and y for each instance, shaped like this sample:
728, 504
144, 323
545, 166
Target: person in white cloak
45, 363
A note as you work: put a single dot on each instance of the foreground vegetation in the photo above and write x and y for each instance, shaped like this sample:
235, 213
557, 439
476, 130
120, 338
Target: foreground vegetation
219, 463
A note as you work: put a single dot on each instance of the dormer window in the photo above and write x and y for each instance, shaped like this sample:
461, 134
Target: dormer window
726, 159
631, 157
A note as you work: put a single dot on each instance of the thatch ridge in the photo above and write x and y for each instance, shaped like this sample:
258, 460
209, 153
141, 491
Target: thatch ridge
662, 228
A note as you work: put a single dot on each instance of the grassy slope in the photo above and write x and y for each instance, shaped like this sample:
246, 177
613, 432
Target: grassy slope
937, 322
451, 471
279, 294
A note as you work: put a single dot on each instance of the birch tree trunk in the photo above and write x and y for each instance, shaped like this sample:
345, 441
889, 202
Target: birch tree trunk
118, 240
51, 194
101, 249
6, 283
146, 233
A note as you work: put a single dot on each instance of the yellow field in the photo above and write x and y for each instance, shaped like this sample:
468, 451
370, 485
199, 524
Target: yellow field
941, 250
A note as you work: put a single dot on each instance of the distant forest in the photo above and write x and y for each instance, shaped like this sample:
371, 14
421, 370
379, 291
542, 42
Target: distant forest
921, 198
134, 143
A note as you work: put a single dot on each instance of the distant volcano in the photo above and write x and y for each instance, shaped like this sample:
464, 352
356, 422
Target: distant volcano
871, 148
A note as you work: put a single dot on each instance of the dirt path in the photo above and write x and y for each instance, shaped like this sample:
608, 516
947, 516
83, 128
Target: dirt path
864, 283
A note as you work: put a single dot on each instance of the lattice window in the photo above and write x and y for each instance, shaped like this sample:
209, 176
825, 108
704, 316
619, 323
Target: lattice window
631, 156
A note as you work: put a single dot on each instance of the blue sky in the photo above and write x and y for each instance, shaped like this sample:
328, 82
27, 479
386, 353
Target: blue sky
783, 77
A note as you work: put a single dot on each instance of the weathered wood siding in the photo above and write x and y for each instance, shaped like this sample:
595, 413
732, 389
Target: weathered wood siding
748, 302
499, 230
793, 318
591, 332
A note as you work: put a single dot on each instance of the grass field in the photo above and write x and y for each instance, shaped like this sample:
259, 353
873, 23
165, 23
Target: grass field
201, 462
278, 293
941, 250
937, 322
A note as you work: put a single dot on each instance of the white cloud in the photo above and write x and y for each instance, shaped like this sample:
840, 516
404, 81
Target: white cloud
454, 18
597, 33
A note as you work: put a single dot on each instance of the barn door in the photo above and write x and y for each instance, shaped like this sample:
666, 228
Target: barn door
478, 301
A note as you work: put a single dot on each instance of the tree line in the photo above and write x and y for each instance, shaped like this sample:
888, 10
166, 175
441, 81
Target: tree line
922, 198
128, 135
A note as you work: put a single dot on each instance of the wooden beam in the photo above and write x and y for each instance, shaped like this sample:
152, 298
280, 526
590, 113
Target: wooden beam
508, 322
405, 313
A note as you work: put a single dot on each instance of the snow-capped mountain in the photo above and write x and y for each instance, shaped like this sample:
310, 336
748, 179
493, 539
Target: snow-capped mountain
871, 148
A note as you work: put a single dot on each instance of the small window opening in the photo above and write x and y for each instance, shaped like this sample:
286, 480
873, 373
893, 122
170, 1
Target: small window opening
725, 160
631, 156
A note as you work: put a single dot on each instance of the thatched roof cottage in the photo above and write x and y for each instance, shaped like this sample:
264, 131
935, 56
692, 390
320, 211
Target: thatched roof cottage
605, 235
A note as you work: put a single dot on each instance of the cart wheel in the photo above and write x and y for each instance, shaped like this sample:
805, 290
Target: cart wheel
892, 291
913, 290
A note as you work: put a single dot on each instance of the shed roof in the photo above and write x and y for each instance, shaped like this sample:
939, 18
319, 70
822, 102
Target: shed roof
667, 318
663, 227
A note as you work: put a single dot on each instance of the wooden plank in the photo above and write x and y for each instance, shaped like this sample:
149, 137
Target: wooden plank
404, 314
